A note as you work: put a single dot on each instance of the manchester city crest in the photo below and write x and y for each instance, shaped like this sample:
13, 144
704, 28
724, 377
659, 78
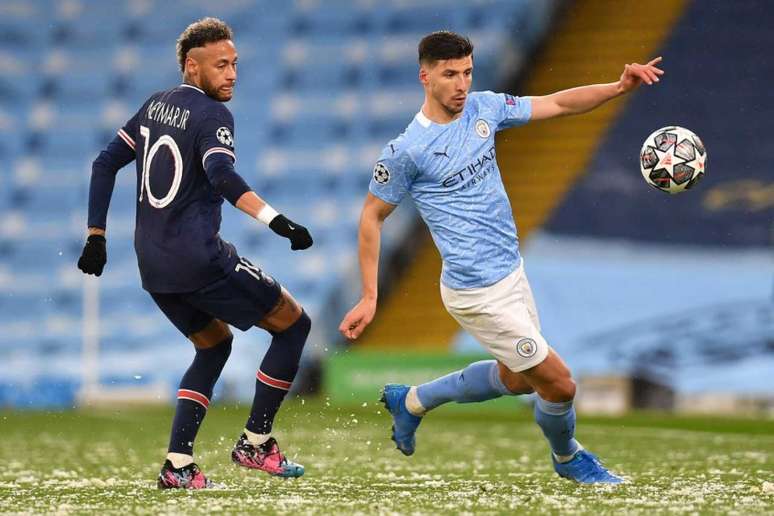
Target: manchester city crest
526, 347
482, 128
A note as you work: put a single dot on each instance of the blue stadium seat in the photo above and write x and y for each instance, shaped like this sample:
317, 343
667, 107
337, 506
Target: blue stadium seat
14, 87
11, 140
22, 305
22, 35
93, 29
76, 86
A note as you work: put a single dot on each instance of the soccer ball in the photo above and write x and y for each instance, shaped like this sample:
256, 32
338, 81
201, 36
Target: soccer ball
672, 159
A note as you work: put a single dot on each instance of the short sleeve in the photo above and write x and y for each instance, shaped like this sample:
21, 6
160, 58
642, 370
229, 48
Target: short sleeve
393, 175
509, 110
216, 134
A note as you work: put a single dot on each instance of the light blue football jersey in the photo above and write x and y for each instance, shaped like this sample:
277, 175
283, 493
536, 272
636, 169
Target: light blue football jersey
451, 173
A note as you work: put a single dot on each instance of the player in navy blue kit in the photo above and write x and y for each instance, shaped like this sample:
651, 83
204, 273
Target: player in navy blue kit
183, 142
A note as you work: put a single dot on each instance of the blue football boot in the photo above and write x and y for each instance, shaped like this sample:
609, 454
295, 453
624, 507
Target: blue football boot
404, 423
585, 468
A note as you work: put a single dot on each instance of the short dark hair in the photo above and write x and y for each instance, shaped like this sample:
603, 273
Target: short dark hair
198, 34
442, 45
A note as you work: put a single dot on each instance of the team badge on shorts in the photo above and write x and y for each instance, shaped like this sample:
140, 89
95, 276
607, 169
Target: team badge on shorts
224, 136
482, 128
381, 173
526, 347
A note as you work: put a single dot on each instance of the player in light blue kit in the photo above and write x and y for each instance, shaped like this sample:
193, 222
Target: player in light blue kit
445, 160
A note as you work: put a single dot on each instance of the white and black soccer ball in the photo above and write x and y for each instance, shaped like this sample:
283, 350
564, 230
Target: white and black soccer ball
673, 159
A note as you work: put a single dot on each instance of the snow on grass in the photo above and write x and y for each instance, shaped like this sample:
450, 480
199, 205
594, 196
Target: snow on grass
81, 462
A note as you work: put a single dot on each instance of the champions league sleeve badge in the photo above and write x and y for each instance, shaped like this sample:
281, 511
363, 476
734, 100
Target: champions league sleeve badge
381, 173
224, 136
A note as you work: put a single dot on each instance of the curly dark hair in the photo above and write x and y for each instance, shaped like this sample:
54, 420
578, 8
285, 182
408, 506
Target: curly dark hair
442, 45
198, 34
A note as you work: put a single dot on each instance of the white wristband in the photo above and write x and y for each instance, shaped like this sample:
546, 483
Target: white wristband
267, 214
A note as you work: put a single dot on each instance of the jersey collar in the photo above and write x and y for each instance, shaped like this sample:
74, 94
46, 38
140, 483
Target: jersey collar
426, 122
423, 120
184, 85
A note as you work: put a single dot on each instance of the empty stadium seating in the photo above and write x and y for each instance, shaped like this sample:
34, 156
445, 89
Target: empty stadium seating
322, 86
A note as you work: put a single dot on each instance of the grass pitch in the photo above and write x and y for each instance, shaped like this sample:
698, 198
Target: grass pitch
468, 460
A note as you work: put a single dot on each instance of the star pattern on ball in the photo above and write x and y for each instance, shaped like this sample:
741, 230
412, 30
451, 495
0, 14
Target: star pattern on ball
667, 159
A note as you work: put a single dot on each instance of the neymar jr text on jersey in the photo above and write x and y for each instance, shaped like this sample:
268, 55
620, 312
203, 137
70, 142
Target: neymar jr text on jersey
168, 114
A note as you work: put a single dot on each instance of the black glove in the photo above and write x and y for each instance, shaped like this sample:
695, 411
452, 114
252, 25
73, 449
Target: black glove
299, 236
94, 255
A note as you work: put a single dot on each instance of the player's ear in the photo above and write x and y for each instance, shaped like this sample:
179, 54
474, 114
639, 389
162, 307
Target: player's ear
424, 74
191, 66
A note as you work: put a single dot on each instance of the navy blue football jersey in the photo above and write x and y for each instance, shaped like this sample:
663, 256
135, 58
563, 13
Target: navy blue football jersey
178, 210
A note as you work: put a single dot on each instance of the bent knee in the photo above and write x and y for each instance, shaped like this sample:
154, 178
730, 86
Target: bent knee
517, 386
285, 314
293, 309
514, 382
303, 323
558, 389
564, 389
211, 335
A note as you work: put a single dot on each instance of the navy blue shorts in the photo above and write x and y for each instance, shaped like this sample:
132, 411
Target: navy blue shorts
241, 299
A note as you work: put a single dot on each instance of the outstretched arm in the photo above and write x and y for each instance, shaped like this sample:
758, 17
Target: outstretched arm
585, 98
252, 204
375, 211
222, 176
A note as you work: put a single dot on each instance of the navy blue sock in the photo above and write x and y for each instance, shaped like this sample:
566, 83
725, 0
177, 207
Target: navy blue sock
194, 395
557, 420
276, 374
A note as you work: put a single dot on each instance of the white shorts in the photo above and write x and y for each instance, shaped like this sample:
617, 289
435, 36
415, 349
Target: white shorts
503, 318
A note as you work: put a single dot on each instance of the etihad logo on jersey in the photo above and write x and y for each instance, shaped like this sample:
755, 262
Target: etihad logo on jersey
167, 114
479, 167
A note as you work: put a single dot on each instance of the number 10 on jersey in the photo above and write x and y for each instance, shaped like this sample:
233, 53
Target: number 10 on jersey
147, 159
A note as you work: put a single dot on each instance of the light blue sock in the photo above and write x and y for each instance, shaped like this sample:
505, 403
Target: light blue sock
480, 381
557, 420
